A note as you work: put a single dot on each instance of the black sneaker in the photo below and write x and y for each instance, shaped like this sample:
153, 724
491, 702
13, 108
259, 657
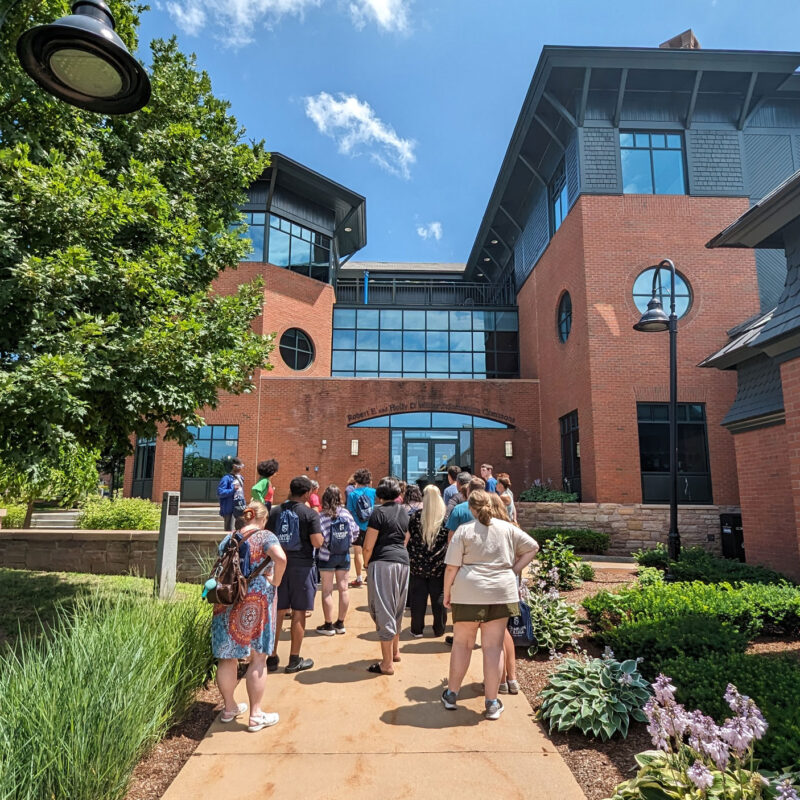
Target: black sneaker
326, 629
448, 639
449, 700
272, 663
338, 626
297, 664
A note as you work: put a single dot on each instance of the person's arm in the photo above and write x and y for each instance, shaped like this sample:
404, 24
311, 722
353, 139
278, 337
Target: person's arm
525, 549
257, 492
315, 534
278, 557
450, 573
405, 539
523, 561
229, 487
370, 537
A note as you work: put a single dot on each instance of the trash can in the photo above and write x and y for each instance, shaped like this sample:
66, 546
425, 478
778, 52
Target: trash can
732, 537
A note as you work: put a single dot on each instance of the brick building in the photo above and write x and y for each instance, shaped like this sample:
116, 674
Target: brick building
524, 356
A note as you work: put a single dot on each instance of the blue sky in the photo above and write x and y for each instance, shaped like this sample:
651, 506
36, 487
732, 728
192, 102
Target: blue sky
412, 102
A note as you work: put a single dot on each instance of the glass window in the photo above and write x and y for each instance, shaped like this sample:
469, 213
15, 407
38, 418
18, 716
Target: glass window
367, 318
391, 361
643, 291
296, 349
414, 362
344, 318
344, 340
413, 340
414, 320
415, 419
559, 201
460, 342
461, 362
564, 317
652, 163
437, 340
437, 320
437, 362
460, 320
391, 340
507, 321
210, 457
375, 422
254, 220
279, 245
299, 248
366, 360
367, 340
344, 360
391, 320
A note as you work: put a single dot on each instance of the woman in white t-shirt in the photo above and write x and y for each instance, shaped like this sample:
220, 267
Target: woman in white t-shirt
483, 560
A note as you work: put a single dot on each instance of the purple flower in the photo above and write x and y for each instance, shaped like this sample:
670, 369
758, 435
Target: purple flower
717, 751
625, 679
608, 653
553, 594
738, 734
664, 690
700, 776
676, 721
785, 791
655, 724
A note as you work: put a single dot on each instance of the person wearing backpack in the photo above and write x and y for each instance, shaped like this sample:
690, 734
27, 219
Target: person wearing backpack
230, 492
298, 530
360, 503
339, 531
247, 628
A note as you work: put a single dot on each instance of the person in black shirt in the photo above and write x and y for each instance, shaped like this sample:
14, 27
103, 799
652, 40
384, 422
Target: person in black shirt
387, 569
299, 531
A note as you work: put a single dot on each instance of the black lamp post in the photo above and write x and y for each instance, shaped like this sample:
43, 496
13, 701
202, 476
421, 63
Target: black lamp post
81, 60
655, 320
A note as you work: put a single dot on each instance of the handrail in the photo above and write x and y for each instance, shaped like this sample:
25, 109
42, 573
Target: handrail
409, 292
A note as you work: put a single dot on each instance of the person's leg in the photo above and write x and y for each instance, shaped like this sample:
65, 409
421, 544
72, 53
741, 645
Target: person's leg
358, 560
387, 656
418, 593
344, 593
298, 631
492, 635
227, 679
327, 594
227, 522
256, 681
436, 592
464, 634
396, 648
510, 657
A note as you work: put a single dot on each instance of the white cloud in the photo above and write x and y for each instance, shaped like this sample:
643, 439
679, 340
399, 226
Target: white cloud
433, 230
356, 129
235, 21
390, 15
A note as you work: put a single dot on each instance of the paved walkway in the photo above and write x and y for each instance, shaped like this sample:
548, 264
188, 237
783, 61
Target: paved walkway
347, 733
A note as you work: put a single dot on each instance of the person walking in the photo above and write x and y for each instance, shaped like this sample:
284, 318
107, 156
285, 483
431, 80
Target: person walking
427, 545
247, 628
483, 560
264, 490
298, 530
387, 569
230, 492
339, 532
360, 503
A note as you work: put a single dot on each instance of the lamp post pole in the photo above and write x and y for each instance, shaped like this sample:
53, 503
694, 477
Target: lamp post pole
655, 320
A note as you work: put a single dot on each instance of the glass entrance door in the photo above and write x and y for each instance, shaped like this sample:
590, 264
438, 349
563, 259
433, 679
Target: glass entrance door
426, 460
415, 461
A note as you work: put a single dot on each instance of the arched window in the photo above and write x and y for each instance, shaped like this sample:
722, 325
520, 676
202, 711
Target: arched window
643, 291
428, 419
296, 348
564, 319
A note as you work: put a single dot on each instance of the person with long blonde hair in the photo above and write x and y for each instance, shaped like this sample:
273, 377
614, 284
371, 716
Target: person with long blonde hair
427, 546
483, 561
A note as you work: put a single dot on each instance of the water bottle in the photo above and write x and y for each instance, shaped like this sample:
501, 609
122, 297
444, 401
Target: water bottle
210, 584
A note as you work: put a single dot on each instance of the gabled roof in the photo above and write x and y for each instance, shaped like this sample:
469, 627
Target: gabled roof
738, 349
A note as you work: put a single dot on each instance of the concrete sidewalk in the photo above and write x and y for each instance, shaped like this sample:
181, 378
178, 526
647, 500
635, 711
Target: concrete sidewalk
347, 733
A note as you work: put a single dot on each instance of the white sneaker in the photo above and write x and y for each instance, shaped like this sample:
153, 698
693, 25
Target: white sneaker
503, 688
262, 720
493, 710
513, 687
417, 635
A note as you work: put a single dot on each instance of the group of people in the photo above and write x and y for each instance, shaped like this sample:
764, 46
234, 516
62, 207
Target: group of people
460, 550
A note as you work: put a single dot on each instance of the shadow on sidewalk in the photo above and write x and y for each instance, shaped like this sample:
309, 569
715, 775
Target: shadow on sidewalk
426, 710
352, 672
421, 647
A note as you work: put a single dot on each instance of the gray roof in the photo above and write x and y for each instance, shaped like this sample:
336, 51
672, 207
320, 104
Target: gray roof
738, 349
759, 392
412, 267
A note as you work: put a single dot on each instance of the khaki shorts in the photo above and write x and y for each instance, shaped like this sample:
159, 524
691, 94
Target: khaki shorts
468, 612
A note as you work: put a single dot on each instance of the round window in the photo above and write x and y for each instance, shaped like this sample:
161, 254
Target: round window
564, 316
643, 291
296, 348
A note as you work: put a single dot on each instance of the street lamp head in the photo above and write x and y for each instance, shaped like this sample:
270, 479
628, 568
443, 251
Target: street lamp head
654, 320
81, 60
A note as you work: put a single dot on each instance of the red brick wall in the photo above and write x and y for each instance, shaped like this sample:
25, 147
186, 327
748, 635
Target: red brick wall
606, 367
768, 511
790, 381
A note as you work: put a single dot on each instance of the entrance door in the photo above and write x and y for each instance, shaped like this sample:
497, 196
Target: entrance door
426, 460
445, 454
570, 453
416, 461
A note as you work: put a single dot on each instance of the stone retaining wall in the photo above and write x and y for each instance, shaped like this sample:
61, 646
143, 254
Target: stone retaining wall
630, 526
103, 552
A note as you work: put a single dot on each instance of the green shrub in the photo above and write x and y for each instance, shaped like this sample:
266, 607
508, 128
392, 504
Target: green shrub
656, 641
773, 682
656, 557
596, 695
82, 706
554, 622
15, 516
649, 576
123, 514
751, 608
586, 571
583, 540
557, 566
545, 492
696, 564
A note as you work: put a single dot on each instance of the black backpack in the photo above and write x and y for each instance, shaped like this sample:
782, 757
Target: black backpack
231, 582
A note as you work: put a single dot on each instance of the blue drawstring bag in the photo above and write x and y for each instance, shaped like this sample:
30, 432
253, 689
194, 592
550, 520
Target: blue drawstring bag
520, 627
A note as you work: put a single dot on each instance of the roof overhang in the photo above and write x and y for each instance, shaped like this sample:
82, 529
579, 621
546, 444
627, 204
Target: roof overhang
566, 79
763, 224
349, 207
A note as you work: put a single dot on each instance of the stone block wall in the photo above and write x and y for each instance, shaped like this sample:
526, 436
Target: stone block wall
103, 552
633, 526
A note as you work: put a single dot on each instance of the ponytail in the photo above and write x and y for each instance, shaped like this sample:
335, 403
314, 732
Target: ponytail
481, 506
254, 510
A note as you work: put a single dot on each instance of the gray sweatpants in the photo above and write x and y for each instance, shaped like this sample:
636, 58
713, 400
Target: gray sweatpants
387, 588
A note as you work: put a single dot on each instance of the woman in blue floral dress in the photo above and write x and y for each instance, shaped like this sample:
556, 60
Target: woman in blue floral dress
248, 627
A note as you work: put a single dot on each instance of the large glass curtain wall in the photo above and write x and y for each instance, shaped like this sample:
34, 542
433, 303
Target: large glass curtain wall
393, 343
287, 244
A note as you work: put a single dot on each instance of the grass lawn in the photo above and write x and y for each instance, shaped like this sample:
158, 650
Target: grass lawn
31, 602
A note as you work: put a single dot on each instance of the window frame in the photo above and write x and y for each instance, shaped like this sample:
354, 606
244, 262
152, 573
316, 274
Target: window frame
663, 291
311, 352
650, 149
558, 197
563, 335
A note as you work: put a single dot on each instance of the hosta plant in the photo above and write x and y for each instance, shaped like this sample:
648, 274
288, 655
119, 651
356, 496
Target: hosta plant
554, 622
596, 695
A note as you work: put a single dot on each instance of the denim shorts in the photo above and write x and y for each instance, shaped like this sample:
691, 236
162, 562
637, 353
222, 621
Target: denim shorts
340, 562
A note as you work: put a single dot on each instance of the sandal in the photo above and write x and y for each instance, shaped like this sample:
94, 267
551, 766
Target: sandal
227, 716
262, 720
356, 584
376, 669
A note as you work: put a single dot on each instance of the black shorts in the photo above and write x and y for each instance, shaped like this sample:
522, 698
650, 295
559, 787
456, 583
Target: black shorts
298, 588
360, 541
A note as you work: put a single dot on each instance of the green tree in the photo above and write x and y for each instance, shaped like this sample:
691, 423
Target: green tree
66, 478
112, 230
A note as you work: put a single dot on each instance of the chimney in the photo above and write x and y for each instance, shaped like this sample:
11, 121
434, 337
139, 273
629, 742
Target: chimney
683, 41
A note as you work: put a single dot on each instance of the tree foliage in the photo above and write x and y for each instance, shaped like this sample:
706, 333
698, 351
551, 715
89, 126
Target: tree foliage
112, 230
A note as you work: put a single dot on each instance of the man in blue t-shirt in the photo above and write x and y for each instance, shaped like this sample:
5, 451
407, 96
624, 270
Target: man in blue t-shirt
360, 503
452, 488
486, 474
461, 514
